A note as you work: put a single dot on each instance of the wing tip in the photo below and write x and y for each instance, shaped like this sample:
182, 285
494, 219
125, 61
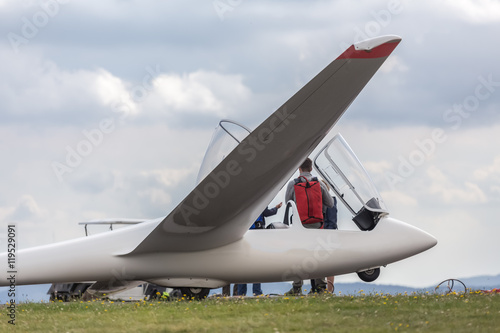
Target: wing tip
377, 47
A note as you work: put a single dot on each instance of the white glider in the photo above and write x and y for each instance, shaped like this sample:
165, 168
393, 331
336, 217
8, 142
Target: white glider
205, 243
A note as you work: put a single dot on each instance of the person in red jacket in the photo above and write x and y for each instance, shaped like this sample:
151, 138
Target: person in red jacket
327, 200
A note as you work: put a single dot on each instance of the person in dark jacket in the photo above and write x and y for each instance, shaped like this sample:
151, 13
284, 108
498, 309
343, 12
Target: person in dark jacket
330, 222
260, 223
330, 216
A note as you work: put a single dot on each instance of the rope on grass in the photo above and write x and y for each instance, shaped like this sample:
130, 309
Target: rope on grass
451, 285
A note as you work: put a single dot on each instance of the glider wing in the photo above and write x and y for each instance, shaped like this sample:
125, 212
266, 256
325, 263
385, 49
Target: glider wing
224, 205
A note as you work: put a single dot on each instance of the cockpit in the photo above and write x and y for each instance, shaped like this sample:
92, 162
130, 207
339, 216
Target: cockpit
336, 163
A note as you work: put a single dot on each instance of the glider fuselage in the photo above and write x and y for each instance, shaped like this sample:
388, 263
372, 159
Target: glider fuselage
265, 255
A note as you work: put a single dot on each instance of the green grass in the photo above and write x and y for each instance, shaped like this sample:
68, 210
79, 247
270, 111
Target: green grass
323, 313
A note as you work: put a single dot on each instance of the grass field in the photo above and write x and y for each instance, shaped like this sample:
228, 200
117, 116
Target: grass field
471, 312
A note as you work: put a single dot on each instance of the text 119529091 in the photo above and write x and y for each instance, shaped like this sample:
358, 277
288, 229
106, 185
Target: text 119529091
11, 273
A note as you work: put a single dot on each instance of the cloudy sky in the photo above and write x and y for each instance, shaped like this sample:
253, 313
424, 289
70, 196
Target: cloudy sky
106, 109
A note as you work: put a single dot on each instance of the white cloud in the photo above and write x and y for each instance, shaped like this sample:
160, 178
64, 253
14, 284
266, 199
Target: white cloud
44, 89
449, 192
168, 177
489, 178
377, 167
112, 91
202, 92
156, 188
400, 199
495, 189
39, 88
453, 170
26, 209
394, 63
156, 197
185, 93
490, 172
476, 11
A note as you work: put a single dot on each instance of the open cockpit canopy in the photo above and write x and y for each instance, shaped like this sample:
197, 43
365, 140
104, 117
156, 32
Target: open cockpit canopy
346, 176
227, 135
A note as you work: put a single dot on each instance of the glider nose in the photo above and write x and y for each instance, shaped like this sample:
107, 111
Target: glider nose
422, 240
407, 239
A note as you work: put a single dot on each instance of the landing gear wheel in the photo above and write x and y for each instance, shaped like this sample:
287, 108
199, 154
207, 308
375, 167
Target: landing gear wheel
369, 275
196, 293
176, 293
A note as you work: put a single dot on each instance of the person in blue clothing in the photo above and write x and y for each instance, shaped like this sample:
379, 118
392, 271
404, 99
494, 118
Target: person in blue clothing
330, 216
260, 223
330, 222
